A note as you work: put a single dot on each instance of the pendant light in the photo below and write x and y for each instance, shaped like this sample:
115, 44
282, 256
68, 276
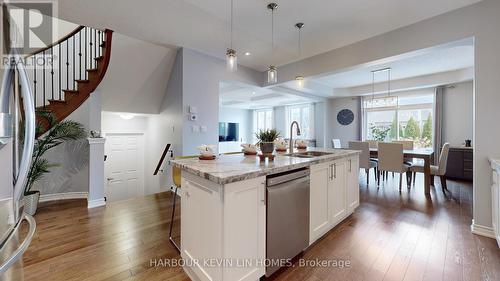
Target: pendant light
388, 70
231, 59
272, 71
299, 78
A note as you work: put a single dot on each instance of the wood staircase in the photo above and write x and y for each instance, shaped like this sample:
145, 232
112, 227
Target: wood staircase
64, 74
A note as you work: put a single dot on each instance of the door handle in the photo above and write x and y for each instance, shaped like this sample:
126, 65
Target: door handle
335, 170
110, 179
350, 165
331, 172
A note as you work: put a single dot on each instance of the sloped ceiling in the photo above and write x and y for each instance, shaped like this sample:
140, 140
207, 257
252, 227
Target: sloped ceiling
137, 76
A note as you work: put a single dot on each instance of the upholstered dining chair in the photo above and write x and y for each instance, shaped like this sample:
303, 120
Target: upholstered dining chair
176, 178
390, 159
407, 145
439, 170
336, 143
364, 158
372, 143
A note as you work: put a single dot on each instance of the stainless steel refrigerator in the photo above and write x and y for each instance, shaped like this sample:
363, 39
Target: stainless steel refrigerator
17, 137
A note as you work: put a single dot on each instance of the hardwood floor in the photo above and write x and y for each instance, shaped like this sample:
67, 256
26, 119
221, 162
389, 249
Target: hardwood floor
391, 236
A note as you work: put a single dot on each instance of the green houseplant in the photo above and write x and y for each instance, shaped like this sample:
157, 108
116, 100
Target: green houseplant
61, 132
266, 140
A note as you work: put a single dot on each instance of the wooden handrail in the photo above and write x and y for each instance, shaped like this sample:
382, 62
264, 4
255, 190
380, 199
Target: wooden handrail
69, 35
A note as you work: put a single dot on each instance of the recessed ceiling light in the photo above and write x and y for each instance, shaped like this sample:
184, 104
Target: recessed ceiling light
247, 54
253, 93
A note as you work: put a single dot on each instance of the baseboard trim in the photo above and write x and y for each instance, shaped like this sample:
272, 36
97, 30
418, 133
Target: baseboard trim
96, 203
482, 230
63, 196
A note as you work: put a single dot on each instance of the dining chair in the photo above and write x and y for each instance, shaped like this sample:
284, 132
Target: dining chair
390, 159
364, 158
176, 178
439, 170
407, 145
336, 143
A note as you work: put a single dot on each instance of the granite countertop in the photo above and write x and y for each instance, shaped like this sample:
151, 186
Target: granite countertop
237, 167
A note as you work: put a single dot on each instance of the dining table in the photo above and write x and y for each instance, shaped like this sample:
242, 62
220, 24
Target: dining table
426, 154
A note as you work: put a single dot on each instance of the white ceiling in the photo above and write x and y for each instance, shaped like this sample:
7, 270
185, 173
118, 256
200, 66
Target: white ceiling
437, 61
203, 25
449, 63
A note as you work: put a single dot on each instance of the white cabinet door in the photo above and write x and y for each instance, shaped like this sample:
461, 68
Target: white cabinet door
318, 202
495, 195
244, 230
352, 166
201, 228
337, 192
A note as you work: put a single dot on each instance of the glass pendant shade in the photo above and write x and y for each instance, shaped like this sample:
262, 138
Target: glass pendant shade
272, 74
231, 60
300, 81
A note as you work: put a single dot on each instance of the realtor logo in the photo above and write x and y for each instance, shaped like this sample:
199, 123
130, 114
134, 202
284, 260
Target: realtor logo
27, 26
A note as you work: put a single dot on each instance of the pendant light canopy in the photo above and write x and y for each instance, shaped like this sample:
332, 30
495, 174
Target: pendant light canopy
299, 78
272, 71
231, 58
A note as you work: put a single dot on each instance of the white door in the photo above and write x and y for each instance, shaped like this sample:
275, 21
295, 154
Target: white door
123, 166
337, 193
318, 194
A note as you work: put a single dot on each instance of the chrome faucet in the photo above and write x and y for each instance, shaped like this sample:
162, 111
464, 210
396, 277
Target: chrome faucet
291, 135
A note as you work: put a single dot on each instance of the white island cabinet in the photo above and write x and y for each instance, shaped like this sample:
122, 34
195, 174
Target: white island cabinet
223, 208
223, 228
334, 194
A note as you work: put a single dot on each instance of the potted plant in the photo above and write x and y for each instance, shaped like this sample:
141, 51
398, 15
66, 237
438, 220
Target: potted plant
61, 132
266, 140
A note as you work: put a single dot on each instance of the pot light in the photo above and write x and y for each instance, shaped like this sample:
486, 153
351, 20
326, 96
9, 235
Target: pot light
247, 54
126, 116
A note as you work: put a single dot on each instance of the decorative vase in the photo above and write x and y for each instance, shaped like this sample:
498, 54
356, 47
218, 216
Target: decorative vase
267, 147
31, 202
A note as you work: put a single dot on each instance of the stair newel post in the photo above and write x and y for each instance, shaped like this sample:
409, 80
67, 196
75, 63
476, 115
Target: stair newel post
96, 44
43, 79
52, 70
80, 53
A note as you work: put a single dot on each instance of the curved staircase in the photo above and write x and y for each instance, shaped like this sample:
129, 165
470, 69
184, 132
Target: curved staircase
65, 73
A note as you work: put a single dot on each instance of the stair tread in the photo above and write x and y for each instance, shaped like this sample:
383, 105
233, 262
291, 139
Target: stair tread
57, 101
99, 58
82, 80
70, 91
92, 69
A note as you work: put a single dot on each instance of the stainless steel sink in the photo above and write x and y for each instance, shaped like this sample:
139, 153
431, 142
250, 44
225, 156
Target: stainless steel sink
308, 154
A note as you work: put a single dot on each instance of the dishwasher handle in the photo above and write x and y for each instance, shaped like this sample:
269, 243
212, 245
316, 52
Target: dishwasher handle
282, 178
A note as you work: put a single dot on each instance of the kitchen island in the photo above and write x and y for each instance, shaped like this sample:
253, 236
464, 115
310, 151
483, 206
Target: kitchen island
223, 207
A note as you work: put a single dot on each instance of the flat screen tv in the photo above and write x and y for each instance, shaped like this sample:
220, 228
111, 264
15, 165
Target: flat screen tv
228, 131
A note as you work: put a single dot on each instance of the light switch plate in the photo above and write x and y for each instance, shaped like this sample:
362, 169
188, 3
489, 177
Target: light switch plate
193, 109
196, 128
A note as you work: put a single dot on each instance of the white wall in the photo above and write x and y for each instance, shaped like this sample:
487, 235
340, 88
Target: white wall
136, 79
241, 116
279, 115
334, 130
458, 113
201, 77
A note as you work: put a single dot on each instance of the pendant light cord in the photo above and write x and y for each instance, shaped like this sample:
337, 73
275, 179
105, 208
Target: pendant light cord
231, 26
272, 32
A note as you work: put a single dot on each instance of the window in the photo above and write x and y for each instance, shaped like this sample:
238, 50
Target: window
400, 117
304, 115
262, 119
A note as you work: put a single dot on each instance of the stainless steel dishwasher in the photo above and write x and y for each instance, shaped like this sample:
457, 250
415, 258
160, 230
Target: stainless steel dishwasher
287, 216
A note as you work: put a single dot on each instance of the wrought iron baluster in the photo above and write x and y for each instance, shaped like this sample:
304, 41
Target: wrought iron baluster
74, 77
43, 78
90, 49
80, 53
86, 57
52, 69
34, 79
100, 43
96, 44
67, 64
60, 85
